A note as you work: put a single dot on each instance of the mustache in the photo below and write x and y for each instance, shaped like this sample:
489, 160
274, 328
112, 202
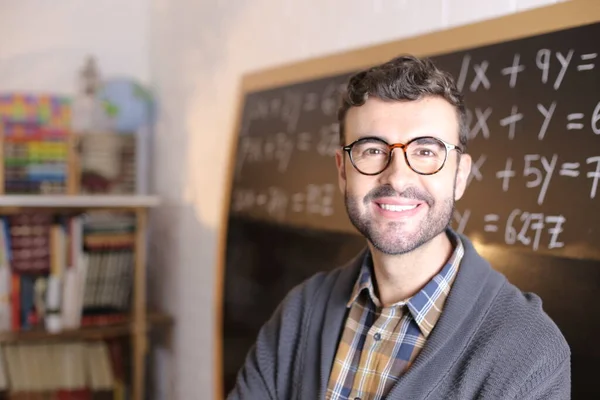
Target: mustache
408, 193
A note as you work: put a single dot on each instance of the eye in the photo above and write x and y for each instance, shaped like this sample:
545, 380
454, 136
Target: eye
373, 151
369, 149
425, 152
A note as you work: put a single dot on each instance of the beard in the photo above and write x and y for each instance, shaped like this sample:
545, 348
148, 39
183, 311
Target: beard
394, 238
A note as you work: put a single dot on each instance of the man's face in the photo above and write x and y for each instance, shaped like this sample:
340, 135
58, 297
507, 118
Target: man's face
398, 210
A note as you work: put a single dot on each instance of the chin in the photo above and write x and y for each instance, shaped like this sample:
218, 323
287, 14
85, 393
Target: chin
401, 236
396, 246
398, 238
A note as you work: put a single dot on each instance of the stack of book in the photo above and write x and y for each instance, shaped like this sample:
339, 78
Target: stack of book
92, 370
64, 271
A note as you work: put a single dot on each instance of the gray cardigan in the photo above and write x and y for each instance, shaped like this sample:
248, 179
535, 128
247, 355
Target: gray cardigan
491, 342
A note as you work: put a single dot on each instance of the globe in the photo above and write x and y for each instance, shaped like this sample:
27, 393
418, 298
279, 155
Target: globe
128, 104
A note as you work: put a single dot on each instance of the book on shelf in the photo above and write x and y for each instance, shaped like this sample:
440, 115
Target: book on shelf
81, 370
65, 270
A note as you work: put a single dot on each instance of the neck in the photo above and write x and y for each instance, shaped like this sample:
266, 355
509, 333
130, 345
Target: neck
400, 277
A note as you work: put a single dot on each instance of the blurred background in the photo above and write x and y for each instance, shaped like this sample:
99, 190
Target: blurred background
165, 75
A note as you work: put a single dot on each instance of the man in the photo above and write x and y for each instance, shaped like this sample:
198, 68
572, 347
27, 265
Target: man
419, 314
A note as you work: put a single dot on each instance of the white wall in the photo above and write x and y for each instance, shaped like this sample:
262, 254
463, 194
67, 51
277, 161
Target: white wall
193, 52
199, 50
43, 43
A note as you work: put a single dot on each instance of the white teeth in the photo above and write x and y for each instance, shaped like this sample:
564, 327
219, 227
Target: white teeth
393, 207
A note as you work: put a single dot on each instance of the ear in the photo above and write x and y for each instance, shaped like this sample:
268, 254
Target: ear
462, 175
341, 167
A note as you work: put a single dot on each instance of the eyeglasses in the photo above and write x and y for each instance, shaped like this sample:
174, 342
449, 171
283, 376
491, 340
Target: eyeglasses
425, 155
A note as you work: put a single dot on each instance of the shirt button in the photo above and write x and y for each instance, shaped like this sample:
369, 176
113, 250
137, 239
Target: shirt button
377, 337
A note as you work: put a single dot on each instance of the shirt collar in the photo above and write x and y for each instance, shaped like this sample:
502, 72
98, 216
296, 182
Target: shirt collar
426, 305
364, 282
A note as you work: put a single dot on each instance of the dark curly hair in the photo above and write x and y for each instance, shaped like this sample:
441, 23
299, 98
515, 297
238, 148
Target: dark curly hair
403, 78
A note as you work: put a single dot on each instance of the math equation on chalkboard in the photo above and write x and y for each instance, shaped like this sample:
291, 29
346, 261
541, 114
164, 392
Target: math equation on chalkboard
533, 111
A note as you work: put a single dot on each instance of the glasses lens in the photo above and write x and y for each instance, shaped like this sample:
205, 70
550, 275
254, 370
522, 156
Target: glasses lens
426, 155
370, 156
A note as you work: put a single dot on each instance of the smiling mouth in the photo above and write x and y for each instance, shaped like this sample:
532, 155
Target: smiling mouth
396, 207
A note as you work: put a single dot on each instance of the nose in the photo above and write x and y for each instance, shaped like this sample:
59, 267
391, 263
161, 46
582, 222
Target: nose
398, 172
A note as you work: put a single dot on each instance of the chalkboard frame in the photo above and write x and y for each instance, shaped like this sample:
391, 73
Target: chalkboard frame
538, 21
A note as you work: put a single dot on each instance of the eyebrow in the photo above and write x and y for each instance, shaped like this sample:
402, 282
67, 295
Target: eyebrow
424, 138
372, 137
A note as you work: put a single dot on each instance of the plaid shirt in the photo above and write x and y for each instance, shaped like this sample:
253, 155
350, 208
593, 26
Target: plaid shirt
379, 344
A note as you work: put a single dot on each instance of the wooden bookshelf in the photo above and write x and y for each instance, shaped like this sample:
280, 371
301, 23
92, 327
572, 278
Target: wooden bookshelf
78, 201
141, 321
98, 332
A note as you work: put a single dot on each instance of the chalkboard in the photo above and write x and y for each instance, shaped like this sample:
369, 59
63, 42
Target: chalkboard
531, 205
534, 111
